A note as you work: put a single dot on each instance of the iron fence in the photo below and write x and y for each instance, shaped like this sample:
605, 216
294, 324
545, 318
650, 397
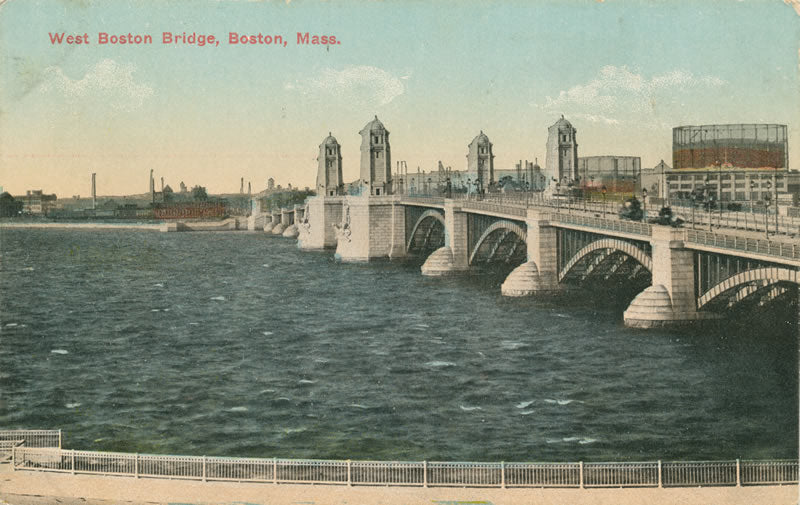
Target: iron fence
497, 208
542, 474
769, 472
409, 473
645, 474
619, 225
33, 438
424, 200
786, 250
702, 473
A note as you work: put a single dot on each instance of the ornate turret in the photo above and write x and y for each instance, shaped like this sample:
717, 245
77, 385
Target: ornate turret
562, 152
329, 168
376, 162
480, 161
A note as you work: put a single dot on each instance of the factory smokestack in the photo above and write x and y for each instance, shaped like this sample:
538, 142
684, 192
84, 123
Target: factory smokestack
94, 191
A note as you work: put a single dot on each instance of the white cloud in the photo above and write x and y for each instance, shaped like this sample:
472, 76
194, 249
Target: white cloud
597, 118
108, 81
616, 89
361, 83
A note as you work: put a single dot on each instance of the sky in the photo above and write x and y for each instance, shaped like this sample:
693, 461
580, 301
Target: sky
624, 72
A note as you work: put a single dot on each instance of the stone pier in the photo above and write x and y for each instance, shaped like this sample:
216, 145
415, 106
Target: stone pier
291, 230
371, 227
316, 229
454, 256
285, 221
539, 274
671, 299
275, 220
257, 219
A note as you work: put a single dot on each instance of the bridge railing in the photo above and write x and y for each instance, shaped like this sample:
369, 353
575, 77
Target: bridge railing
620, 225
727, 219
766, 247
409, 473
497, 208
424, 200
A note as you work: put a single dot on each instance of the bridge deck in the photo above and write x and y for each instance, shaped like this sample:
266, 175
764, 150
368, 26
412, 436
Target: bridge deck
703, 234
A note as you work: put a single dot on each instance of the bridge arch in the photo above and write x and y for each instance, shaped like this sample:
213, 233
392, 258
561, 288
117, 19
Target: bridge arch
428, 214
502, 224
622, 246
760, 276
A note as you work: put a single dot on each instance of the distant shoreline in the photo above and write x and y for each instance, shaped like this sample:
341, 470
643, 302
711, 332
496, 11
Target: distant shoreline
85, 226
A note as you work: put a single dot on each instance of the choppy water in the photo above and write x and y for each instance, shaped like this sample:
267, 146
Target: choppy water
239, 344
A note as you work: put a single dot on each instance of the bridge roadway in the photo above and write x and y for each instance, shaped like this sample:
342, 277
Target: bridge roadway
692, 273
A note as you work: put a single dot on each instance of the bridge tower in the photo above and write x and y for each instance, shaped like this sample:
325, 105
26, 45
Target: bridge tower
480, 161
329, 170
562, 153
376, 158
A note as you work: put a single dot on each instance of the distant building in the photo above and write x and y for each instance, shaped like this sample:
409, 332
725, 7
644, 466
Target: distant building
36, 202
271, 183
562, 153
730, 163
329, 168
793, 187
654, 180
618, 174
737, 185
376, 159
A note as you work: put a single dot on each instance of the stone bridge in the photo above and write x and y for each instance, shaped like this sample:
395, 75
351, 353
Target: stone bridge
690, 275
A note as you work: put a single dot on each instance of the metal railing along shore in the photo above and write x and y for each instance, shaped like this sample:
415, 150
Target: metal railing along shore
9, 439
410, 473
32, 438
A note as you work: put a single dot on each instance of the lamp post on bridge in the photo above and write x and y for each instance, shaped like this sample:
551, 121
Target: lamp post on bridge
767, 198
604, 189
527, 194
752, 205
777, 210
570, 186
708, 200
644, 203
719, 191
558, 194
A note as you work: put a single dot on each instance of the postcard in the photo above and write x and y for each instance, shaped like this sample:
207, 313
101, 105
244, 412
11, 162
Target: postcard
357, 251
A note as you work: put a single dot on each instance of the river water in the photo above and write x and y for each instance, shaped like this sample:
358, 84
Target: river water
240, 344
